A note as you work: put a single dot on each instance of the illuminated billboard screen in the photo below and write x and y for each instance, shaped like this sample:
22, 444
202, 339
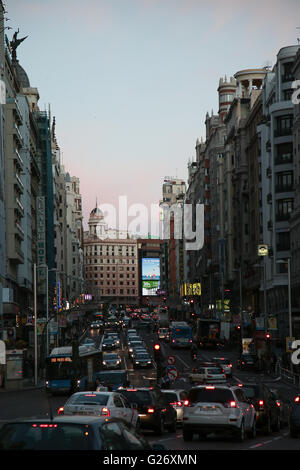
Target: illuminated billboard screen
150, 276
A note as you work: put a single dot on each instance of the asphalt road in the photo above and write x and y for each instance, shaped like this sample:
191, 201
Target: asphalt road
36, 403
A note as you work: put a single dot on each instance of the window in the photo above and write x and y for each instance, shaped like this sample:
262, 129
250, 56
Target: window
284, 181
284, 153
112, 437
283, 241
284, 207
118, 402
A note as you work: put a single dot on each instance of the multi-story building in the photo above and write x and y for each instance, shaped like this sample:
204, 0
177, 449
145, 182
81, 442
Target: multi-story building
277, 184
111, 271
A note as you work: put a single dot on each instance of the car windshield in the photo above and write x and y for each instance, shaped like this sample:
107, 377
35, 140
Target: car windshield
111, 378
211, 394
223, 361
141, 397
88, 399
110, 357
214, 370
45, 436
109, 340
171, 396
142, 356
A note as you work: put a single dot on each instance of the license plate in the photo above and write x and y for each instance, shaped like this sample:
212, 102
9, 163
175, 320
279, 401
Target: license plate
208, 408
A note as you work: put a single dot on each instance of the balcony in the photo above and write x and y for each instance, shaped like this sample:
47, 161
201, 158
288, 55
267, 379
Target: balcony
19, 207
284, 188
18, 136
287, 77
19, 183
283, 132
282, 217
18, 159
19, 231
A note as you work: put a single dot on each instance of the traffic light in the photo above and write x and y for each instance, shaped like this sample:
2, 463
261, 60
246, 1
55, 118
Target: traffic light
156, 349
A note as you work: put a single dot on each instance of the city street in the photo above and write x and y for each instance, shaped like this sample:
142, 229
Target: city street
36, 403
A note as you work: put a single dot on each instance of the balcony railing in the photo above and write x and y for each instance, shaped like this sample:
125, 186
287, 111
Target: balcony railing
282, 217
287, 77
283, 132
284, 188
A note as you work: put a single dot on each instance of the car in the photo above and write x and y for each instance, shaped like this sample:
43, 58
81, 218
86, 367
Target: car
247, 362
138, 349
217, 409
133, 338
225, 363
207, 373
134, 344
94, 403
111, 361
116, 378
176, 399
155, 412
113, 335
109, 343
73, 433
294, 420
284, 406
163, 334
131, 331
142, 359
95, 325
268, 414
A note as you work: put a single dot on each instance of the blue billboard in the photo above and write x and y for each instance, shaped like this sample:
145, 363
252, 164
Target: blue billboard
150, 276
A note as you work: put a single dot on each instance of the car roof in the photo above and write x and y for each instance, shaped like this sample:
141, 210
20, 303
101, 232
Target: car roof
77, 419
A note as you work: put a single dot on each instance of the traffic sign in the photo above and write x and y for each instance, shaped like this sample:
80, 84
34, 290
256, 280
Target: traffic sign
173, 374
171, 360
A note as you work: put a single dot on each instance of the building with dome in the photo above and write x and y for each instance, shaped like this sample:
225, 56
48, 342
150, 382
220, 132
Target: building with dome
110, 262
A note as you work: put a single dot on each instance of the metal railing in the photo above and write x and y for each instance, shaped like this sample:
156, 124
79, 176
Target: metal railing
288, 375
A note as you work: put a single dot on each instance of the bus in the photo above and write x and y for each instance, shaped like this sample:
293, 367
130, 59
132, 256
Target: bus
60, 369
181, 335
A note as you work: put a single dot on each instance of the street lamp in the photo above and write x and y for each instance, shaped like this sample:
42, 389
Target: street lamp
265, 291
239, 270
288, 262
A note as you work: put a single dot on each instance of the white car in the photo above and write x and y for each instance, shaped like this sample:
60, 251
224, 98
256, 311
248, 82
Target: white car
207, 374
218, 408
225, 363
110, 404
176, 399
111, 361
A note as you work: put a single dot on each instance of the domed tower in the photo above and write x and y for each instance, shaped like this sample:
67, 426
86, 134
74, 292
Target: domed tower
97, 225
226, 90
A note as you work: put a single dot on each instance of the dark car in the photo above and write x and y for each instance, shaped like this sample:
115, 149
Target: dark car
72, 433
142, 359
294, 421
154, 409
109, 343
268, 414
247, 362
283, 405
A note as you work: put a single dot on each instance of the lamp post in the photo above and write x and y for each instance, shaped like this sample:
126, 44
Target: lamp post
241, 298
288, 262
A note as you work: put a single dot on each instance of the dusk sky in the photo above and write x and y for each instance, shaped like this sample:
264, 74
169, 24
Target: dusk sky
130, 81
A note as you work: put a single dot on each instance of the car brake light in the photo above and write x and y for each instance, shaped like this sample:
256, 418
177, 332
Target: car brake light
186, 403
278, 403
261, 404
105, 412
231, 404
209, 388
151, 410
297, 399
60, 410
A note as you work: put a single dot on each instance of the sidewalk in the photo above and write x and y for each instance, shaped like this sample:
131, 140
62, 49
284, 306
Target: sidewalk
23, 385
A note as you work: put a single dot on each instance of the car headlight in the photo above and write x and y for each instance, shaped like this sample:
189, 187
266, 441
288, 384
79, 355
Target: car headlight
104, 362
149, 362
137, 362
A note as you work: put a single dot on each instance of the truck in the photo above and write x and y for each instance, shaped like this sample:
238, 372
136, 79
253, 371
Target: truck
208, 334
163, 318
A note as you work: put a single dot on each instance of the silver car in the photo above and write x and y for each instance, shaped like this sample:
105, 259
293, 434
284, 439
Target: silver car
176, 399
111, 361
218, 408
